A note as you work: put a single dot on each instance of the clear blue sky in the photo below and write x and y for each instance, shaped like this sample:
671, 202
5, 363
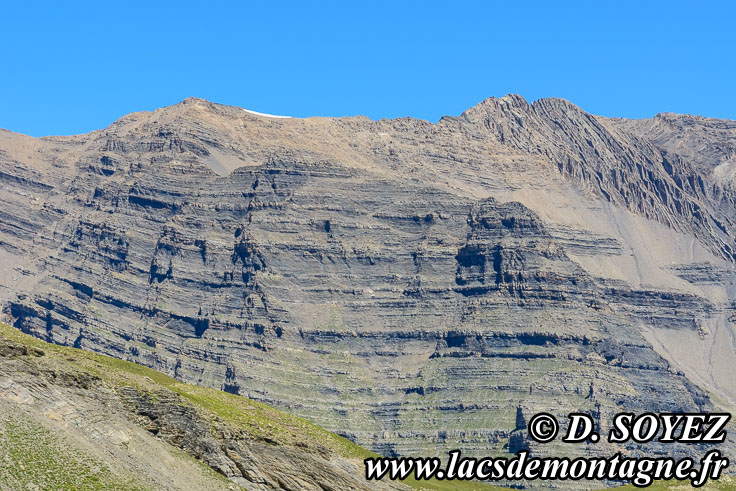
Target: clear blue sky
71, 67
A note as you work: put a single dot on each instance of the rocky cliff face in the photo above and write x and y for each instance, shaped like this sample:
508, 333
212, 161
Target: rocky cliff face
81, 421
416, 287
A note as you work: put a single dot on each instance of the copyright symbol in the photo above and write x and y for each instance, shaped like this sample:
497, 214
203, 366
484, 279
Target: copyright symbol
543, 427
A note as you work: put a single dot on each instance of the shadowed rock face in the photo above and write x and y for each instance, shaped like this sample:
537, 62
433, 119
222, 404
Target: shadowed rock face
416, 287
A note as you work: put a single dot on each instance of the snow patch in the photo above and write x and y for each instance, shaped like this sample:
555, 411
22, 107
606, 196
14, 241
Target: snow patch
266, 115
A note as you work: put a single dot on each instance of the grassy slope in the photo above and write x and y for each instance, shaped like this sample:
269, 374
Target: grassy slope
36, 456
255, 418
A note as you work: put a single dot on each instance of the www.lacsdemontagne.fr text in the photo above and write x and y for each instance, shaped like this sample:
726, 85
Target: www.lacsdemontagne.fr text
543, 428
639, 471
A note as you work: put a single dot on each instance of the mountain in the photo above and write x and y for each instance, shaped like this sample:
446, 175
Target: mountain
414, 287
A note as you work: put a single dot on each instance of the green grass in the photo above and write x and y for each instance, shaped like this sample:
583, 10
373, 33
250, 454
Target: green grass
33, 457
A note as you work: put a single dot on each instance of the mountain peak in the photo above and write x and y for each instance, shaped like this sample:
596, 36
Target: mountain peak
530, 241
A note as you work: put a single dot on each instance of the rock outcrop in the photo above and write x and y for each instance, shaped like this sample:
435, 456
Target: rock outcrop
75, 420
415, 287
